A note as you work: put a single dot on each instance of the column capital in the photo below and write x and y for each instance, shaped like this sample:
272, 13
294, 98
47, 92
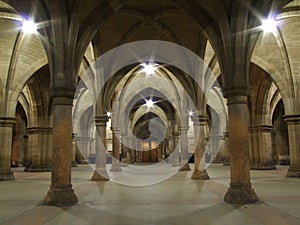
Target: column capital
82, 138
115, 129
237, 99
264, 128
183, 129
292, 119
39, 130
199, 119
230, 92
101, 120
7, 121
62, 95
175, 134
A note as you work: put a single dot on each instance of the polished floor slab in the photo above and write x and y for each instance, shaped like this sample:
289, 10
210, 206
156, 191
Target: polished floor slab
177, 200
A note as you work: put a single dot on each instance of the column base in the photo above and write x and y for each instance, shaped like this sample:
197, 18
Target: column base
34, 168
82, 162
73, 164
284, 162
226, 162
240, 195
100, 176
6, 175
293, 172
263, 167
38, 168
115, 168
58, 196
185, 167
200, 175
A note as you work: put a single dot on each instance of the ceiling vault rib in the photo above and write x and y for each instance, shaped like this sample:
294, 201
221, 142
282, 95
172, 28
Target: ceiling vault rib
12, 66
287, 62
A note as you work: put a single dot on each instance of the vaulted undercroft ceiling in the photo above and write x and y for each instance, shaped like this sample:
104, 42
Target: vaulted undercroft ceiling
22, 55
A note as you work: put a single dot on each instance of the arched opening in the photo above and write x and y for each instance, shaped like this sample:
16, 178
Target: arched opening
20, 139
280, 139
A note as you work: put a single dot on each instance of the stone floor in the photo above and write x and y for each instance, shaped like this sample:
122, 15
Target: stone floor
177, 200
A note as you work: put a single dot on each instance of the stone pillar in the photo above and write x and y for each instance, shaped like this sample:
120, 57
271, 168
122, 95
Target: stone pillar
253, 147
73, 162
184, 165
6, 135
175, 150
293, 122
79, 146
125, 149
200, 172
49, 150
38, 145
100, 173
226, 149
216, 149
115, 165
61, 192
266, 161
240, 190
25, 154
83, 147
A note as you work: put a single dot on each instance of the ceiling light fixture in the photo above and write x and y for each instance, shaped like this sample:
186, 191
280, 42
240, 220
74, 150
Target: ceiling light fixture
269, 25
29, 26
148, 68
149, 103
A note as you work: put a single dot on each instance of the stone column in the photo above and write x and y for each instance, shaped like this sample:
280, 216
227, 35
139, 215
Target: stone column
100, 173
184, 165
226, 149
200, 172
175, 150
38, 144
83, 147
49, 150
293, 122
73, 162
115, 165
79, 150
266, 161
253, 147
125, 149
61, 192
240, 190
6, 135
25, 144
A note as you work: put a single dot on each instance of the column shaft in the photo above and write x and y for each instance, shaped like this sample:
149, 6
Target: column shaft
184, 165
199, 162
226, 149
266, 161
6, 135
293, 122
115, 151
100, 156
61, 192
240, 191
